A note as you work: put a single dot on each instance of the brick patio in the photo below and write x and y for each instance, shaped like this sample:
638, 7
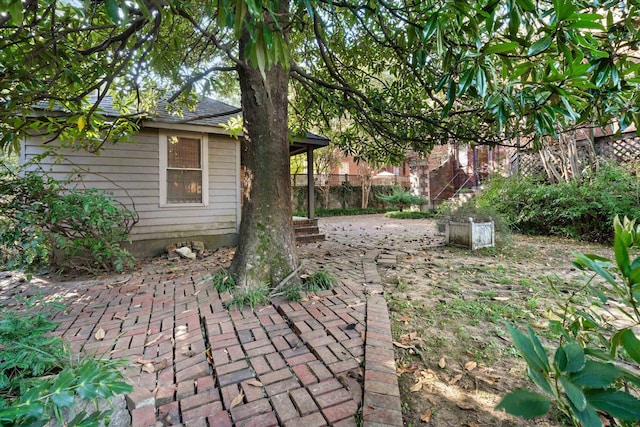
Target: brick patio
327, 360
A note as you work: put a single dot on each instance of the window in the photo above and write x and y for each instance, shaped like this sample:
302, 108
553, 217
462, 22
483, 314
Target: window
183, 170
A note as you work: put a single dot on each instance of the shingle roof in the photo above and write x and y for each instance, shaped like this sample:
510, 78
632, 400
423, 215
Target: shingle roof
208, 112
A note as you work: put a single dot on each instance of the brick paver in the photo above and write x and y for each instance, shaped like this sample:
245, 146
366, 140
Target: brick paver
320, 361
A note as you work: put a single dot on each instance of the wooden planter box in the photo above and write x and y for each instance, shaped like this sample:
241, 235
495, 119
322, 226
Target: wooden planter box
472, 235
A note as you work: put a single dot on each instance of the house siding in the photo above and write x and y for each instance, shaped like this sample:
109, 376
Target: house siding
130, 173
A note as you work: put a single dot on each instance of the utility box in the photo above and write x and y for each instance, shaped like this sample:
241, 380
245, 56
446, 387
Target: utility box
472, 235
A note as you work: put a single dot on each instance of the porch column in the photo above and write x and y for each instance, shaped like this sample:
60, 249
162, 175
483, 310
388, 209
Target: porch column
310, 186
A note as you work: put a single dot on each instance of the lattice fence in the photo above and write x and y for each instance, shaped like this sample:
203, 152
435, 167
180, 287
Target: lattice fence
623, 150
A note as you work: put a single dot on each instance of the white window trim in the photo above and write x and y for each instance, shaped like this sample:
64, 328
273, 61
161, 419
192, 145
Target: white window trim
204, 158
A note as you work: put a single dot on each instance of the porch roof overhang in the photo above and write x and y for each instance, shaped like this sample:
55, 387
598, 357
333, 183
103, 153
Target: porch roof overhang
301, 145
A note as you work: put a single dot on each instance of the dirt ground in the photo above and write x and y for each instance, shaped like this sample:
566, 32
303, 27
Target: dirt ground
448, 308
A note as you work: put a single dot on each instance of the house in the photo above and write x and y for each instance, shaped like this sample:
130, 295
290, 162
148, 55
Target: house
181, 174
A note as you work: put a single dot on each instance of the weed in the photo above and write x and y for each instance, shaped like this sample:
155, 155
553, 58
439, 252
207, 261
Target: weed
293, 292
319, 281
251, 297
223, 281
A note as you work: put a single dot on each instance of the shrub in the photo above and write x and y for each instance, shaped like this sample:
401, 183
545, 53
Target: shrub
402, 198
39, 378
43, 224
579, 209
592, 365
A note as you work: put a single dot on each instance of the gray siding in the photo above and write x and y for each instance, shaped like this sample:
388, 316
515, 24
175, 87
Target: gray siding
130, 171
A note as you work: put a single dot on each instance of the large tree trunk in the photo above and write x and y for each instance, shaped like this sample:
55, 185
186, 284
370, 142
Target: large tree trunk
266, 247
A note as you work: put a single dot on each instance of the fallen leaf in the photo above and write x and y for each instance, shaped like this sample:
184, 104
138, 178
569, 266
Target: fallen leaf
470, 425
398, 344
426, 417
428, 374
362, 335
464, 405
470, 366
100, 334
500, 298
155, 340
416, 387
237, 400
455, 379
254, 383
442, 363
149, 368
159, 366
143, 361
404, 369
120, 317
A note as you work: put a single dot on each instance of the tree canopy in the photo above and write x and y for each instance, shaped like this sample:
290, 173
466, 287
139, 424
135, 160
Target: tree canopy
393, 74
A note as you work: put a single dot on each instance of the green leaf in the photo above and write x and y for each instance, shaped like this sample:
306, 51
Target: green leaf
575, 357
541, 380
525, 404
631, 344
501, 47
617, 403
526, 349
526, 5
539, 46
574, 394
596, 374
587, 24
622, 255
63, 398
113, 10
430, 27
587, 417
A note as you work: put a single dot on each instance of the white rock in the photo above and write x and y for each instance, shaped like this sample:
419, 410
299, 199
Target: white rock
185, 252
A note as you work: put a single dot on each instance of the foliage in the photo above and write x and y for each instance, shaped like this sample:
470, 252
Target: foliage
410, 214
39, 377
223, 281
43, 224
251, 297
319, 281
578, 209
590, 369
402, 198
391, 75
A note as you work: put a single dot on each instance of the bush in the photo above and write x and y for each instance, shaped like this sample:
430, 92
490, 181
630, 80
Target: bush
39, 378
43, 224
578, 209
402, 198
591, 370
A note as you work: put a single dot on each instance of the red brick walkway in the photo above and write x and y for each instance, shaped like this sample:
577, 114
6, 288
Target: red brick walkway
327, 360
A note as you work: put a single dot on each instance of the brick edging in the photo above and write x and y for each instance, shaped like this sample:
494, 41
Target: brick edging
381, 401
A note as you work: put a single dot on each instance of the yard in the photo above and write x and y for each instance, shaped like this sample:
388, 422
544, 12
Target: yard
448, 308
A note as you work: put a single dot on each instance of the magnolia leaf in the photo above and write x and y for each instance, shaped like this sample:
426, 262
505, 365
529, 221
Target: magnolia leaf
455, 379
416, 387
442, 363
470, 366
237, 400
397, 344
426, 416
539, 46
100, 334
254, 383
465, 406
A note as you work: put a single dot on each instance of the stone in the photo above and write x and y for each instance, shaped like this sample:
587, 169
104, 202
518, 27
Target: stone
185, 252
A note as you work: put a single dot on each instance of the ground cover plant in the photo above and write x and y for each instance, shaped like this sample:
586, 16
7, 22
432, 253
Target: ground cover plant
40, 378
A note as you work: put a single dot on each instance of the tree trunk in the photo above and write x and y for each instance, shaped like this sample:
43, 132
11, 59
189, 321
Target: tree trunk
266, 246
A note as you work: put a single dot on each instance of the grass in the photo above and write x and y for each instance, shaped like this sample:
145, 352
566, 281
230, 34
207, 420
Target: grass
223, 281
318, 281
251, 297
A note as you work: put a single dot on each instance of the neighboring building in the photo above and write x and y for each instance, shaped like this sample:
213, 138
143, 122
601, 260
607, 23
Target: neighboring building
182, 175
